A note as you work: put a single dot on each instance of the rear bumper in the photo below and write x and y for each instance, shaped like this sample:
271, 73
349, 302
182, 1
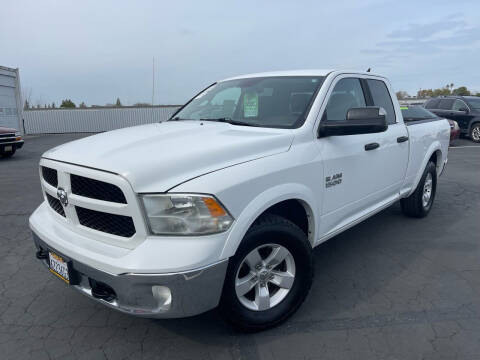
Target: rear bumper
170, 295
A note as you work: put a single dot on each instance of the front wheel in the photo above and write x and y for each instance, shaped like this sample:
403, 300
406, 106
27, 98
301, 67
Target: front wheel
475, 133
269, 277
420, 202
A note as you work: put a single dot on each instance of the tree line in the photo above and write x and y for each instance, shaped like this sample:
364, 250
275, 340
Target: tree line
69, 104
448, 89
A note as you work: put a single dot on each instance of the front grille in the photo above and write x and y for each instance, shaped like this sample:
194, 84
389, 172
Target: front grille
110, 223
6, 140
55, 204
96, 189
7, 135
50, 176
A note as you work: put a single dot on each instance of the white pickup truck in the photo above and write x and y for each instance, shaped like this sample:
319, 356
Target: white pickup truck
222, 204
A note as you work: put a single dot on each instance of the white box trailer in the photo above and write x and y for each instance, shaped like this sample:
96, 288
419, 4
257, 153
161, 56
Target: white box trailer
10, 99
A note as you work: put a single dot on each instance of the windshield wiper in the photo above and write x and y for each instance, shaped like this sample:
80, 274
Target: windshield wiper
177, 118
229, 121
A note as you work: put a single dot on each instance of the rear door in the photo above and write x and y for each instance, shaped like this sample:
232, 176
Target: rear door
445, 108
433, 106
395, 148
461, 114
359, 180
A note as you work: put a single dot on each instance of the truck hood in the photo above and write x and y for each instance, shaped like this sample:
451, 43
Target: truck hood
157, 157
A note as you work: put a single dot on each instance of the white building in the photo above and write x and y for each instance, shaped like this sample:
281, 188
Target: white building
10, 99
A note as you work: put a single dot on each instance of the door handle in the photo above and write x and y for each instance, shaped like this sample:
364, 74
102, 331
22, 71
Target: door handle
371, 146
402, 139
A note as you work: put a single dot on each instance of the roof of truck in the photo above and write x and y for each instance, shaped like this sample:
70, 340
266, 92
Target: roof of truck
305, 72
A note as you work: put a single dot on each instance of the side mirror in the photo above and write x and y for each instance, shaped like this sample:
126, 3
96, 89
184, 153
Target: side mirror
365, 120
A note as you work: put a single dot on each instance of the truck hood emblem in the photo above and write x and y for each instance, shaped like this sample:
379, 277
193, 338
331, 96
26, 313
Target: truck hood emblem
62, 196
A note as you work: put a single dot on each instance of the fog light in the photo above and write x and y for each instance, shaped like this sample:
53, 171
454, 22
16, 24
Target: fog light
163, 295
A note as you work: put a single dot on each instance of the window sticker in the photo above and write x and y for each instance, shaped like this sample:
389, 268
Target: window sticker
250, 105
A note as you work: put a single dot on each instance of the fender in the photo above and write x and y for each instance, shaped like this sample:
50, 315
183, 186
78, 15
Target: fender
264, 201
435, 146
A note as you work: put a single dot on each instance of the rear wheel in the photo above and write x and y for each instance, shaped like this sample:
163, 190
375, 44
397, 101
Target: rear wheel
420, 202
475, 133
269, 277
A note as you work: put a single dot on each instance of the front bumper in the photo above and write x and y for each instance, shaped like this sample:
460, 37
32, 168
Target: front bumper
170, 295
18, 144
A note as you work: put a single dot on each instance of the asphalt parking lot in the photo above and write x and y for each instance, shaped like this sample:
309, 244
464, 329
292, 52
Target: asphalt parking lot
389, 288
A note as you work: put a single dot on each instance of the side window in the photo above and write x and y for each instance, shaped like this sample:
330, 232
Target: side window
381, 97
432, 104
346, 94
445, 104
459, 104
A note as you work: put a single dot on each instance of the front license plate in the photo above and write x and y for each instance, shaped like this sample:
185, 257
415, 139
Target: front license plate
7, 148
58, 266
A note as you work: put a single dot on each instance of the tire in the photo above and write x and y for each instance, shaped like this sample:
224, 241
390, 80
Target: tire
475, 133
7, 154
415, 205
270, 232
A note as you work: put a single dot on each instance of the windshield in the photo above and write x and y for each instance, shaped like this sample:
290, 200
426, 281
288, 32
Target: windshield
279, 102
411, 113
474, 103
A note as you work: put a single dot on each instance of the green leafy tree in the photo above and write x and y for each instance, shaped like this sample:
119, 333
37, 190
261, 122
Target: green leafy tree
118, 102
67, 103
425, 93
444, 91
461, 91
401, 95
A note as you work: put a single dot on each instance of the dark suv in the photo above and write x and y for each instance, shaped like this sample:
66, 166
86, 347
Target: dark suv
465, 110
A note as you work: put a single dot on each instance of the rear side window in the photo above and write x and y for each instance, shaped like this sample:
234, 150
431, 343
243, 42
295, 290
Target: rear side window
432, 104
459, 104
445, 104
346, 94
381, 97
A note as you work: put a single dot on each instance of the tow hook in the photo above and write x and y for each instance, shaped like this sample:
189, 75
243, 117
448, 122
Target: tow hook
41, 254
102, 291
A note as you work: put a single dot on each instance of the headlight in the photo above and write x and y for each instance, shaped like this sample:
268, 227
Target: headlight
185, 214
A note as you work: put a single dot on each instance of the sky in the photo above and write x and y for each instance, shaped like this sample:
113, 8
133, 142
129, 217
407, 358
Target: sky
98, 51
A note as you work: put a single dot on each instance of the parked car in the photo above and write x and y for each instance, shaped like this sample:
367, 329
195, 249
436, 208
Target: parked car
10, 141
418, 113
223, 203
465, 110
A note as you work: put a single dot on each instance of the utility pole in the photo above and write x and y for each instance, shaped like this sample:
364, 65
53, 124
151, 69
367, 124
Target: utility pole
153, 79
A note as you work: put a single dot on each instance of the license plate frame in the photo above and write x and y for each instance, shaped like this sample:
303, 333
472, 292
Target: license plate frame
8, 148
59, 266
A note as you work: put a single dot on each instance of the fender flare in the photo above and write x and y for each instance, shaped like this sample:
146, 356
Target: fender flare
266, 199
434, 147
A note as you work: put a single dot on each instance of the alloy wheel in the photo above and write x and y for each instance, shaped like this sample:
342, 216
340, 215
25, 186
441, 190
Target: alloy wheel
265, 277
427, 190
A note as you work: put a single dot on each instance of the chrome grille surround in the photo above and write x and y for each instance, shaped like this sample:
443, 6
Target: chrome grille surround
126, 238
